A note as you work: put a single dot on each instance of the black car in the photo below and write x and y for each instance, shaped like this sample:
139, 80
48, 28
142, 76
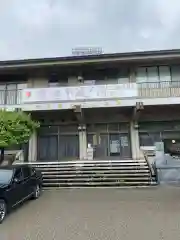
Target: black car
17, 184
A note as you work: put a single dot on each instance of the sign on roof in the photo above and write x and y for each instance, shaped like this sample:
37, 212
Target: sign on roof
83, 51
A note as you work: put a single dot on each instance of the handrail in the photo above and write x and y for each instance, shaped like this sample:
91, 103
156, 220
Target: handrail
148, 163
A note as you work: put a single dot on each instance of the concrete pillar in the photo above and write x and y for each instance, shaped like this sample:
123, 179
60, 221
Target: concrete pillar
32, 156
82, 142
135, 146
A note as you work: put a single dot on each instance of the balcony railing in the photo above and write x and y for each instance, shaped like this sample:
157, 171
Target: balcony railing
10, 97
159, 89
145, 90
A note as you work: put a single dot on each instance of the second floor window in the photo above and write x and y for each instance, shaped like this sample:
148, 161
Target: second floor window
159, 74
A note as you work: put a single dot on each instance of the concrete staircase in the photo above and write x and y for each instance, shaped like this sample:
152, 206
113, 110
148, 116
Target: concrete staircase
89, 174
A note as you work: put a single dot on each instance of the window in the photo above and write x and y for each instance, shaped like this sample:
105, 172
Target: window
56, 81
164, 74
175, 73
123, 76
141, 75
5, 176
158, 74
152, 74
149, 139
18, 174
26, 172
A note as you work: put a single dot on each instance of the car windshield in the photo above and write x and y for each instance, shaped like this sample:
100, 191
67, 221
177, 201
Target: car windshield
5, 176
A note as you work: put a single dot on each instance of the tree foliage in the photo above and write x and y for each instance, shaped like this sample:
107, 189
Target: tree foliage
15, 128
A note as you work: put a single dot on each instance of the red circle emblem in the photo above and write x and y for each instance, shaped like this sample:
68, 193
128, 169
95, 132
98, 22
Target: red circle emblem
28, 94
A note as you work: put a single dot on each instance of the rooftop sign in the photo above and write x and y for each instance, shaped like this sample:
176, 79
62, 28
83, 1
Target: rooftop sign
84, 51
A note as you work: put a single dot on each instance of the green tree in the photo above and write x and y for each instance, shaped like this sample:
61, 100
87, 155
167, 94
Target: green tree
15, 128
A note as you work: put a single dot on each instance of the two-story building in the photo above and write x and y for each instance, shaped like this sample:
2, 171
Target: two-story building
116, 102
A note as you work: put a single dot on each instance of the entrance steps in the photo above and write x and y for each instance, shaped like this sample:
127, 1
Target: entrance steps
102, 173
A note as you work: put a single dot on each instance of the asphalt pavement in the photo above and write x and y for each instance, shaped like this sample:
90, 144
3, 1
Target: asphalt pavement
97, 214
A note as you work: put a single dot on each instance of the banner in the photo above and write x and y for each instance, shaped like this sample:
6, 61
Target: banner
79, 93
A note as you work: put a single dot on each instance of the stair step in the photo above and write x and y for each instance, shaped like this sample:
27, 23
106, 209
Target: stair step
94, 175
107, 171
94, 181
89, 162
91, 165
89, 174
95, 168
113, 184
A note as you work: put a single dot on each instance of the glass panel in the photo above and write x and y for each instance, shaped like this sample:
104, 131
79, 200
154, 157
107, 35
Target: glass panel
170, 135
102, 149
43, 148
123, 76
159, 126
5, 176
2, 87
114, 145
11, 86
68, 129
141, 75
21, 86
125, 146
90, 139
44, 130
164, 74
53, 148
113, 127
149, 139
101, 127
152, 73
68, 146
175, 74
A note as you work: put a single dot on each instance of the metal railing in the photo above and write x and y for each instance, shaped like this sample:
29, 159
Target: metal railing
10, 97
159, 89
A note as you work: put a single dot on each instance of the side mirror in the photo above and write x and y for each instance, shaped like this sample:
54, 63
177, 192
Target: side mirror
16, 180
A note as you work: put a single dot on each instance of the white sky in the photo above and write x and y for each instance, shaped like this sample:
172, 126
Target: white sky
50, 28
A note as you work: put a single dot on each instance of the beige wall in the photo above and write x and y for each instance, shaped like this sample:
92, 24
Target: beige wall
37, 82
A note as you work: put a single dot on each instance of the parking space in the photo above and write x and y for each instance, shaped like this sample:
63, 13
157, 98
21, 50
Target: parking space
111, 214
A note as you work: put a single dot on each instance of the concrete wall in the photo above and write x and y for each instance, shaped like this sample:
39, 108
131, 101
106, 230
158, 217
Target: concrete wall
168, 170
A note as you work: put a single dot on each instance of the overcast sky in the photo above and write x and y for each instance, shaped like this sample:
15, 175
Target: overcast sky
50, 28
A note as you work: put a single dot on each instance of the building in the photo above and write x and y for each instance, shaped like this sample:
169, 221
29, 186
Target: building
115, 102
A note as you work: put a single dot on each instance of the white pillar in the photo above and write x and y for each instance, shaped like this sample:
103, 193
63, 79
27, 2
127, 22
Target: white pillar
84, 137
82, 142
32, 156
135, 146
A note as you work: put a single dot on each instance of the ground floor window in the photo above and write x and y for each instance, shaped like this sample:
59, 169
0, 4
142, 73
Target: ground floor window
59, 144
167, 132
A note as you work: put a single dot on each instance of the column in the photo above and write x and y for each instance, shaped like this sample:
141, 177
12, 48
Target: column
82, 142
135, 146
32, 156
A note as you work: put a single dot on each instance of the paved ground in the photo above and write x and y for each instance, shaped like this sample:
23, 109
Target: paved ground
97, 214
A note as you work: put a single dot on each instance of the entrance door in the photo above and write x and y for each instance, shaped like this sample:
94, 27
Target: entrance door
68, 147
114, 145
